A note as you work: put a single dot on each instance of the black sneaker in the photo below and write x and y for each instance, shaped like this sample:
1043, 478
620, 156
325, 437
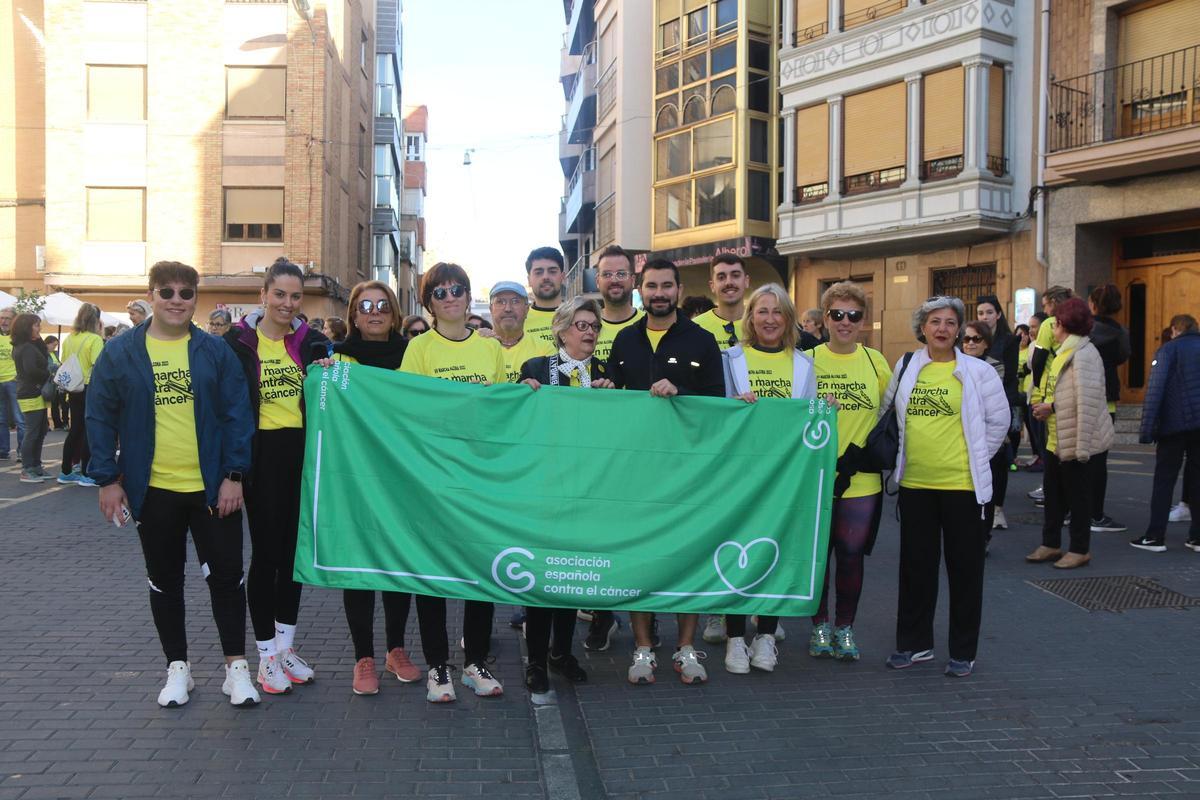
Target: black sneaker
568, 667
1146, 543
600, 631
1193, 545
536, 679
1107, 524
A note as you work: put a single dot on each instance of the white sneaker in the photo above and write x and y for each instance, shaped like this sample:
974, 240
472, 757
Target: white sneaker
179, 683
643, 666
1037, 494
687, 664
714, 629
737, 656
439, 688
1000, 522
238, 686
296, 668
271, 676
763, 652
477, 678
779, 634
1180, 512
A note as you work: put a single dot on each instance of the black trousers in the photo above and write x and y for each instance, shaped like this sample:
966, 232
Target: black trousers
477, 630
931, 520
360, 616
60, 410
166, 518
540, 623
75, 448
1098, 476
1067, 486
1168, 458
273, 510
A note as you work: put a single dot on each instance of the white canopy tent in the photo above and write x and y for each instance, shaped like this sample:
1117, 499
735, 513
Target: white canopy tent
60, 309
6, 299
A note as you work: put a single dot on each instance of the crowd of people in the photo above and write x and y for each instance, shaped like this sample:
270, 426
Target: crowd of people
185, 428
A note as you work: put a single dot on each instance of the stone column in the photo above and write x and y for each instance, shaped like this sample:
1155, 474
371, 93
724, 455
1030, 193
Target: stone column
789, 24
912, 162
789, 157
835, 147
976, 108
835, 16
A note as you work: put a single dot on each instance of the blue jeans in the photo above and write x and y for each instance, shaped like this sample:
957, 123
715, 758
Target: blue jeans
10, 413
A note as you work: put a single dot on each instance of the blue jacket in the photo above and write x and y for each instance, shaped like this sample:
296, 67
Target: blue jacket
1172, 402
120, 408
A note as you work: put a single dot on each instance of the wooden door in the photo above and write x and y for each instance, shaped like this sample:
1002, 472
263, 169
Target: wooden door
1151, 295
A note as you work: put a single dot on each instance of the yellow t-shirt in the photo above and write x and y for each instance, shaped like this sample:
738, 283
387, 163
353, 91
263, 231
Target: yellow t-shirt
475, 359
280, 386
655, 337
537, 326
1045, 341
935, 447
1051, 381
31, 404
515, 357
1023, 384
858, 382
8, 367
770, 373
85, 346
609, 331
725, 332
176, 464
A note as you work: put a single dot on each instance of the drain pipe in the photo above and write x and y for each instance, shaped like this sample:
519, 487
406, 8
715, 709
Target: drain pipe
1042, 134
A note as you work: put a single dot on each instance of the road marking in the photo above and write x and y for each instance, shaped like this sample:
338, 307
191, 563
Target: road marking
7, 502
1129, 472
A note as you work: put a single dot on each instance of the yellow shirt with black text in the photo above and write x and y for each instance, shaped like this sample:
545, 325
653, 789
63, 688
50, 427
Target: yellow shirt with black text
516, 356
8, 367
935, 447
770, 373
280, 386
725, 332
655, 337
858, 382
609, 331
176, 464
86, 347
475, 359
537, 326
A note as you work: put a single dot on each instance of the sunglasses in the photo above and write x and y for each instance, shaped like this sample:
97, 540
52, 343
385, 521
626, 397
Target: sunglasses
417, 331
584, 327
166, 293
382, 306
837, 315
972, 339
456, 291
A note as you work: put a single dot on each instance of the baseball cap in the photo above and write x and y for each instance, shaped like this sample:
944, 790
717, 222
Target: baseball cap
509, 286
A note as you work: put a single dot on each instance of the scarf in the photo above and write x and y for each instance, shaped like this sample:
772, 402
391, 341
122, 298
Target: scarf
385, 355
567, 365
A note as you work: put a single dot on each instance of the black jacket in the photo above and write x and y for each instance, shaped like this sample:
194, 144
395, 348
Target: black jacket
1112, 342
33, 368
687, 356
539, 369
1006, 348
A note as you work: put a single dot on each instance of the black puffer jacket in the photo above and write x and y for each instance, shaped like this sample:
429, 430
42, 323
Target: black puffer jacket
1112, 341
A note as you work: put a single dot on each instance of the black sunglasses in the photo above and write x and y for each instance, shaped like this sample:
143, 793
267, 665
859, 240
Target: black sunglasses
166, 293
415, 331
382, 306
972, 339
456, 290
836, 314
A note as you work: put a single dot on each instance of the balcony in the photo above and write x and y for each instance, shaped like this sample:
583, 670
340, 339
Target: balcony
387, 100
580, 279
580, 201
581, 111
581, 25
569, 152
1132, 119
606, 91
606, 221
872, 13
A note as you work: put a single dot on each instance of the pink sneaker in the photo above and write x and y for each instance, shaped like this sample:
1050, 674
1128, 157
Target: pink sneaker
366, 680
399, 664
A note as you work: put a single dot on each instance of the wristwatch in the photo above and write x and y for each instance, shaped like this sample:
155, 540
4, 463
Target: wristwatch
233, 475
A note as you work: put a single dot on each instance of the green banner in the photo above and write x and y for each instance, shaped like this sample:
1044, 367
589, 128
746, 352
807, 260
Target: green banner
564, 497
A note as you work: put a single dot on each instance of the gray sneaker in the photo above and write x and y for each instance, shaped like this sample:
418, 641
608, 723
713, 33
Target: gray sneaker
687, 664
714, 630
820, 644
644, 664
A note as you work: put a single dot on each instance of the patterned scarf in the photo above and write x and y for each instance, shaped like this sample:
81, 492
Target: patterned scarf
567, 365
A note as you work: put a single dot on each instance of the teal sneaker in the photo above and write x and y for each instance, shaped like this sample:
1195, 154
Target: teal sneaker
844, 648
67, 478
84, 480
820, 644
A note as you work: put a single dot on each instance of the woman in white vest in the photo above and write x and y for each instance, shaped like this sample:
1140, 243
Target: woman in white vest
952, 416
765, 364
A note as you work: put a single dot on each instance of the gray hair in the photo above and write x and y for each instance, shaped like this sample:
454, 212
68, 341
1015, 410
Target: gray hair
565, 315
937, 304
223, 314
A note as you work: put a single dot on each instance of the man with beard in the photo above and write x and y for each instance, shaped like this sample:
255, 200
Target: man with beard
669, 355
544, 268
614, 279
728, 282
510, 307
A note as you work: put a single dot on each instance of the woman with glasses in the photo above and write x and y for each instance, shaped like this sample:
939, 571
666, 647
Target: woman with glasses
576, 328
275, 348
414, 325
854, 377
978, 342
453, 351
765, 363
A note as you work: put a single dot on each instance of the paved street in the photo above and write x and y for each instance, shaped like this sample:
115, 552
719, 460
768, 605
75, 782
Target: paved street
1064, 702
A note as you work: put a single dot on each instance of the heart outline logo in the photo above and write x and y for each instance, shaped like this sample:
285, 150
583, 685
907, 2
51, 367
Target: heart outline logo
743, 561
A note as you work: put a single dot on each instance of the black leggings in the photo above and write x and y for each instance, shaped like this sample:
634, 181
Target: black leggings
360, 616
849, 533
163, 526
539, 622
75, 447
477, 630
1066, 486
1098, 479
735, 625
273, 509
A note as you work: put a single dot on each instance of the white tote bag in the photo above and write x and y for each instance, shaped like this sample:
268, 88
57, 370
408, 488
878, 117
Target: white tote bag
69, 377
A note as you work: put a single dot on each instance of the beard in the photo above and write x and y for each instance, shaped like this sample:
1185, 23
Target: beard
666, 310
546, 294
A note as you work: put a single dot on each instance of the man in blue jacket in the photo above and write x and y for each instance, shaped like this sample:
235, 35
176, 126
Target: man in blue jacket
174, 397
1171, 417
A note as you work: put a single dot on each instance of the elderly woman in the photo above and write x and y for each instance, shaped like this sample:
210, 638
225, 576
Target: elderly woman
952, 418
812, 322
138, 310
765, 364
1071, 401
413, 325
219, 322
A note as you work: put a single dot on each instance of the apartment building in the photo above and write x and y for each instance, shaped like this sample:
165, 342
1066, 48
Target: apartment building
716, 139
22, 155
908, 152
221, 134
605, 141
412, 220
1123, 163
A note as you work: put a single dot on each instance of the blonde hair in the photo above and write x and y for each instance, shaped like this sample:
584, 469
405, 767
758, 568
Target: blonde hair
790, 333
843, 290
356, 293
565, 315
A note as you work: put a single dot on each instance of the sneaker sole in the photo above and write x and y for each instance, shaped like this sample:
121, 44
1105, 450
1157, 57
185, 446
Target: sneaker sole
402, 679
440, 698
470, 684
364, 693
270, 690
299, 681
847, 656
1098, 529
738, 670
763, 667
821, 653
1193, 546
1150, 548
66, 482
641, 681
31, 480
911, 663
247, 703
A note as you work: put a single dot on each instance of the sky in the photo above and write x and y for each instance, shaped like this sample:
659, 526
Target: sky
488, 71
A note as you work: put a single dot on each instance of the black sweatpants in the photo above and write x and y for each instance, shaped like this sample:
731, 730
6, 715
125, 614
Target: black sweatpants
539, 624
273, 509
931, 520
166, 517
360, 616
75, 447
477, 630
1067, 486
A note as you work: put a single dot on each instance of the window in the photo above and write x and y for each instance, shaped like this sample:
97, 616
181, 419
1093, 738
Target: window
758, 186
724, 98
697, 23
255, 92
758, 141
116, 215
875, 130
760, 55
412, 147
965, 281
758, 93
724, 58
812, 153
942, 123
675, 156
716, 198
364, 47
362, 251
666, 79
694, 109
811, 19
668, 118
727, 14
116, 94
668, 37
673, 207
695, 69
254, 215
995, 149
712, 145
362, 149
